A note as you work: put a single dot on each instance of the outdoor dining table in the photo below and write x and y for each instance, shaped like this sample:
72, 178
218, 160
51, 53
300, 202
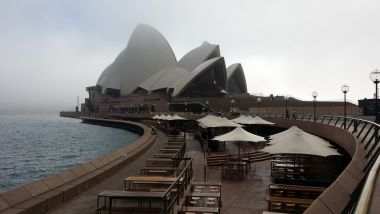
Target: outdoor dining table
205, 195
112, 195
133, 180
233, 167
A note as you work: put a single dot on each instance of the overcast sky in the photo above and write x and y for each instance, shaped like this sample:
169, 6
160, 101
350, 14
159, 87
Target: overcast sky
51, 50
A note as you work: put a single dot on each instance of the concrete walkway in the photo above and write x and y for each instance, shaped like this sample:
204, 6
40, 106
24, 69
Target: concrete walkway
86, 202
246, 196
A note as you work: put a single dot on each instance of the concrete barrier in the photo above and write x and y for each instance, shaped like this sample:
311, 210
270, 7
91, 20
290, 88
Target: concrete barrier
42, 195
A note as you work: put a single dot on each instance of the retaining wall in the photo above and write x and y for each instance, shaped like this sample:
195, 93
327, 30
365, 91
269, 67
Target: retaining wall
336, 197
42, 195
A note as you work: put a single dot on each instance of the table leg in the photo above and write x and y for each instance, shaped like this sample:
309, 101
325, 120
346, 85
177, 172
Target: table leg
110, 205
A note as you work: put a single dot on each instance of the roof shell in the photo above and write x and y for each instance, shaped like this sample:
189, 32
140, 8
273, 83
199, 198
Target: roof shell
180, 85
199, 55
236, 79
164, 78
147, 53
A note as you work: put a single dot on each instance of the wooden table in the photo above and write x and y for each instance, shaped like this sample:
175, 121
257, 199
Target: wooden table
159, 169
241, 168
132, 195
199, 209
133, 180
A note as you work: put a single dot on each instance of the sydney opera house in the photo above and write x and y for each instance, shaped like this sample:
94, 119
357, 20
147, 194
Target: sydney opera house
147, 77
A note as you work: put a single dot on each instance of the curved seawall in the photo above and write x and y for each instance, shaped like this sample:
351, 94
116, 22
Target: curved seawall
44, 194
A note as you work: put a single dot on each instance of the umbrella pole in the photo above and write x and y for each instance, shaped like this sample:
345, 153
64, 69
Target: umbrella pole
239, 152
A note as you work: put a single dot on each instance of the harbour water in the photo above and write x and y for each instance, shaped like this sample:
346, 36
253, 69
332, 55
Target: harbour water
34, 146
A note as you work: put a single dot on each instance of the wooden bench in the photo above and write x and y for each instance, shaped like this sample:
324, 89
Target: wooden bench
169, 151
284, 204
296, 191
174, 144
164, 162
160, 155
186, 209
159, 170
217, 160
111, 195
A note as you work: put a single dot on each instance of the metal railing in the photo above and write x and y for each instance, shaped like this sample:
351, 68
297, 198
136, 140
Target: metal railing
367, 134
173, 193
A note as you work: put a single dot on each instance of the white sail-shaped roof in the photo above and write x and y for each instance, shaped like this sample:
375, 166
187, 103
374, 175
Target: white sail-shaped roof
199, 55
147, 53
219, 80
148, 65
236, 79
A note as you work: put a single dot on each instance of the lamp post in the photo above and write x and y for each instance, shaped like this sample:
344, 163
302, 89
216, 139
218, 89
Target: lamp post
232, 106
286, 98
375, 78
345, 88
258, 102
315, 95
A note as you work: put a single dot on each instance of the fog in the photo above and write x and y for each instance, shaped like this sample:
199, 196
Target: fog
52, 50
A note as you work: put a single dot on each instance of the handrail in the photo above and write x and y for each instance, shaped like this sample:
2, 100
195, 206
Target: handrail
370, 137
366, 196
185, 176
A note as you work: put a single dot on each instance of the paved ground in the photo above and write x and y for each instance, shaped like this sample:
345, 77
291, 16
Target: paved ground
246, 196
86, 202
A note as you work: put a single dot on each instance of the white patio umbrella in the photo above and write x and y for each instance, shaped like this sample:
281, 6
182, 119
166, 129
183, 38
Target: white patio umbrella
290, 130
259, 121
301, 143
241, 120
206, 118
176, 117
218, 122
166, 117
294, 130
239, 134
156, 117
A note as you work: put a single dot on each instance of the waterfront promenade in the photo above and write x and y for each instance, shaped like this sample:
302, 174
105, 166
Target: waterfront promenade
247, 196
86, 202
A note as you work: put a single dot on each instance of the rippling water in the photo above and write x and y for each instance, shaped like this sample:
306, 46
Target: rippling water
34, 146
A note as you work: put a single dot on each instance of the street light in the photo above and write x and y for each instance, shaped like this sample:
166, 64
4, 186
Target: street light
345, 88
286, 98
258, 102
375, 78
232, 105
315, 95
